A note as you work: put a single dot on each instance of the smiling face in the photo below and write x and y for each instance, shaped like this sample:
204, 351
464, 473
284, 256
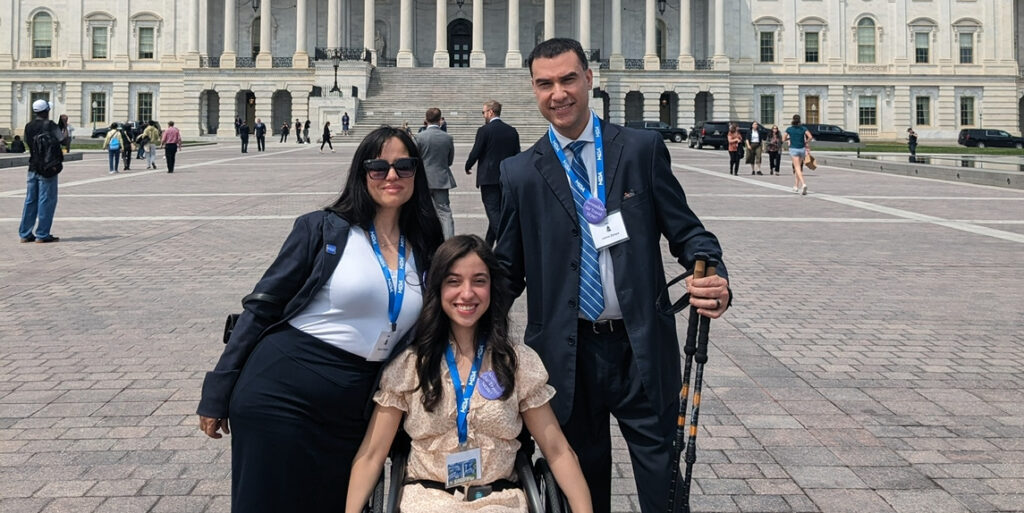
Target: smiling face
391, 192
466, 292
562, 88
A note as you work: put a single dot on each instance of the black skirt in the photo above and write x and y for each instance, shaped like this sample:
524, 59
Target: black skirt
297, 417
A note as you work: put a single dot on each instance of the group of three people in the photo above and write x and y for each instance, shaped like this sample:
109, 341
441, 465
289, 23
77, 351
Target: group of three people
321, 339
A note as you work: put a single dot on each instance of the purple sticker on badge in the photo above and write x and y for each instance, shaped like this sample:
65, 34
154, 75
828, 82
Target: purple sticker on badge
489, 386
593, 210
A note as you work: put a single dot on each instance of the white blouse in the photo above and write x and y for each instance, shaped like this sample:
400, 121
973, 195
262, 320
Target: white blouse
351, 310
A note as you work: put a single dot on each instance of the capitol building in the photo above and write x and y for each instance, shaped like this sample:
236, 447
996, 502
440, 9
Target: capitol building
871, 66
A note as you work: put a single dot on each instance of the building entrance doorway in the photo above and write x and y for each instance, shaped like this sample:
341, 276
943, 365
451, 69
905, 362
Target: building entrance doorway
813, 114
668, 108
460, 43
245, 107
703, 106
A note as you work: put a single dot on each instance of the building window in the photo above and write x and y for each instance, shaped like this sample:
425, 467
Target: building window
767, 109
38, 95
767, 46
42, 36
145, 107
811, 40
922, 110
967, 111
921, 47
866, 41
255, 37
98, 107
967, 48
146, 42
99, 42
867, 113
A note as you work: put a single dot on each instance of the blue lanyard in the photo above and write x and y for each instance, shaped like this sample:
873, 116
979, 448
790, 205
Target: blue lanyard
395, 297
462, 398
598, 156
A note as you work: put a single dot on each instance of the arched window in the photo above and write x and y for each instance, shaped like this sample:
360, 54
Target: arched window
42, 36
866, 41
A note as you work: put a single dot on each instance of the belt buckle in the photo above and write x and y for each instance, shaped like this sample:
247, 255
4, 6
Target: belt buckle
597, 327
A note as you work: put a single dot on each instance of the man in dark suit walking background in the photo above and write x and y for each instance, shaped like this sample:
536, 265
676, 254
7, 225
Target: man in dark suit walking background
593, 312
495, 141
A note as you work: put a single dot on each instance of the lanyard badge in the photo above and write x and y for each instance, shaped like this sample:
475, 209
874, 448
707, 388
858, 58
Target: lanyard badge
463, 466
594, 208
396, 293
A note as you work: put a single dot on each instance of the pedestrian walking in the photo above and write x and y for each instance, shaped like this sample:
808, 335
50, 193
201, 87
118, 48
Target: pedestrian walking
114, 143
17, 145
773, 145
735, 140
284, 132
344, 124
754, 148
301, 365
588, 201
152, 137
243, 134
238, 125
305, 131
495, 141
3, 144
799, 138
326, 138
405, 127
444, 125
67, 131
171, 142
912, 144
44, 139
437, 149
260, 130
126, 148
298, 131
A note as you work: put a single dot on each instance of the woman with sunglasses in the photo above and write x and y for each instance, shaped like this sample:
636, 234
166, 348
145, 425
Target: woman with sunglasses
462, 338
297, 374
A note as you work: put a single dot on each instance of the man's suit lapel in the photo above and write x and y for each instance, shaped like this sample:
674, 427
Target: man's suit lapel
553, 173
612, 152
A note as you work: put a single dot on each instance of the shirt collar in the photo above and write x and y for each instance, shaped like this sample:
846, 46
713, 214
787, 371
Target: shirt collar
433, 126
494, 118
587, 135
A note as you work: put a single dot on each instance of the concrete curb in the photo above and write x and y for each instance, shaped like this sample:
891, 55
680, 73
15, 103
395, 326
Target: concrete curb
22, 160
1007, 179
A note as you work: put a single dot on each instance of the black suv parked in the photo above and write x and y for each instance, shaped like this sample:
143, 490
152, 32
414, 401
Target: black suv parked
667, 132
832, 133
132, 129
982, 137
714, 133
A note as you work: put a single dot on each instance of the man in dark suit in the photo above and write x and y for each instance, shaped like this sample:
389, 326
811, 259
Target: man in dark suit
495, 141
582, 216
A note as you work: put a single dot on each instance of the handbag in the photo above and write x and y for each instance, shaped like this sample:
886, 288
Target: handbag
809, 162
739, 149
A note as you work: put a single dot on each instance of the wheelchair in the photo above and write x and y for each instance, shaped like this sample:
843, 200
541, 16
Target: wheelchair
536, 479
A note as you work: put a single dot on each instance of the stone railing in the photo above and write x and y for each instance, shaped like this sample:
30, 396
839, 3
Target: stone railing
281, 62
342, 54
704, 65
245, 62
209, 62
670, 64
594, 55
634, 64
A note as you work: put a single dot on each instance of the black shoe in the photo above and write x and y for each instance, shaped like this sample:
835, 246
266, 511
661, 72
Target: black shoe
30, 238
48, 238
760, 174
170, 170
154, 166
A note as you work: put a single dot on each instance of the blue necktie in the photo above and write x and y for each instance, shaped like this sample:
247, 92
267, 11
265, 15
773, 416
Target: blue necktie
591, 291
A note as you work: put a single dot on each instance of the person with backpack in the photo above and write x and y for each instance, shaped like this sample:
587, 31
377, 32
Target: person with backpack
44, 140
114, 144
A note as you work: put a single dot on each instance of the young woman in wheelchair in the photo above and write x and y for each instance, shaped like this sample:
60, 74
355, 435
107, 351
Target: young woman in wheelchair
463, 439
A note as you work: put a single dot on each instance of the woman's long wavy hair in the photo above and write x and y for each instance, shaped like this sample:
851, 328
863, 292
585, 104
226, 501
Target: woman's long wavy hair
418, 219
434, 326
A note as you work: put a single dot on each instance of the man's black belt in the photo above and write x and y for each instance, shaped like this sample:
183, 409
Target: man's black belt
602, 327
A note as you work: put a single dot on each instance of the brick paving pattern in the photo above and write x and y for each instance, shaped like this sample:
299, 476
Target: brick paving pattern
872, 361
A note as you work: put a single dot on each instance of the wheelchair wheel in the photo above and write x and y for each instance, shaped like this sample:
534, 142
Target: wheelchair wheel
554, 499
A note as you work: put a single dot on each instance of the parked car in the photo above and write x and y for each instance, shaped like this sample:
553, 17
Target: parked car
982, 137
132, 129
713, 133
667, 132
832, 133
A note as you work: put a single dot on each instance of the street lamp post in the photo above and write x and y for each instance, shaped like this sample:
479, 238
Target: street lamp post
92, 114
336, 58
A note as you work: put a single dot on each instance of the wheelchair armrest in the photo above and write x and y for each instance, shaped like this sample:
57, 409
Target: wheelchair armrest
524, 470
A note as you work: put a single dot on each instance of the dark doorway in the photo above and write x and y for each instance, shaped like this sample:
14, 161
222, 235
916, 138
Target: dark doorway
281, 110
634, 106
460, 42
209, 112
703, 106
668, 108
245, 106
606, 102
1020, 115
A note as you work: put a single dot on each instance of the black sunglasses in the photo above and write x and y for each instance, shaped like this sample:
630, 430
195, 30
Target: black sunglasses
378, 169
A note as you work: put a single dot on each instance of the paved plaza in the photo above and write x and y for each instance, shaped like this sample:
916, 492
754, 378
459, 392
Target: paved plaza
873, 360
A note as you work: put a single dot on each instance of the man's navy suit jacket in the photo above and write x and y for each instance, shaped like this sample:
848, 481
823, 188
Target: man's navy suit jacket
495, 141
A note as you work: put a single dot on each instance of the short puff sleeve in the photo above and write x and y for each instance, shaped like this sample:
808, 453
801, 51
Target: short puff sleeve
398, 382
532, 386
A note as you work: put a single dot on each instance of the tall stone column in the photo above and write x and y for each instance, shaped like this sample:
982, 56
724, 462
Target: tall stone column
585, 24
549, 19
513, 58
686, 61
719, 54
301, 57
368, 29
227, 59
616, 60
192, 57
651, 60
477, 57
405, 58
441, 59
333, 25
265, 58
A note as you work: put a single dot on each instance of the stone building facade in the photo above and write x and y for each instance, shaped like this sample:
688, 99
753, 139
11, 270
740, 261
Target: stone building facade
875, 66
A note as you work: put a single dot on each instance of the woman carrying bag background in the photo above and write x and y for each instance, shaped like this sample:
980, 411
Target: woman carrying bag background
296, 376
735, 140
799, 138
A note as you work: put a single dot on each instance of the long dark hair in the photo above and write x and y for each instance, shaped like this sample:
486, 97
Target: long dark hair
434, 327
418, 219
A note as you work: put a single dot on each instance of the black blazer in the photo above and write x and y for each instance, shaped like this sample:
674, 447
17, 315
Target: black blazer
539, 245
301, 269
495, 141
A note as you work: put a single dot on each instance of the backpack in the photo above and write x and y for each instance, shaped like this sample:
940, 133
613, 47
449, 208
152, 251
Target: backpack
47, 154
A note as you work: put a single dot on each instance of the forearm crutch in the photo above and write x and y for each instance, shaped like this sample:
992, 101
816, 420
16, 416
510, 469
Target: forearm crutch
689, 349
701, 357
